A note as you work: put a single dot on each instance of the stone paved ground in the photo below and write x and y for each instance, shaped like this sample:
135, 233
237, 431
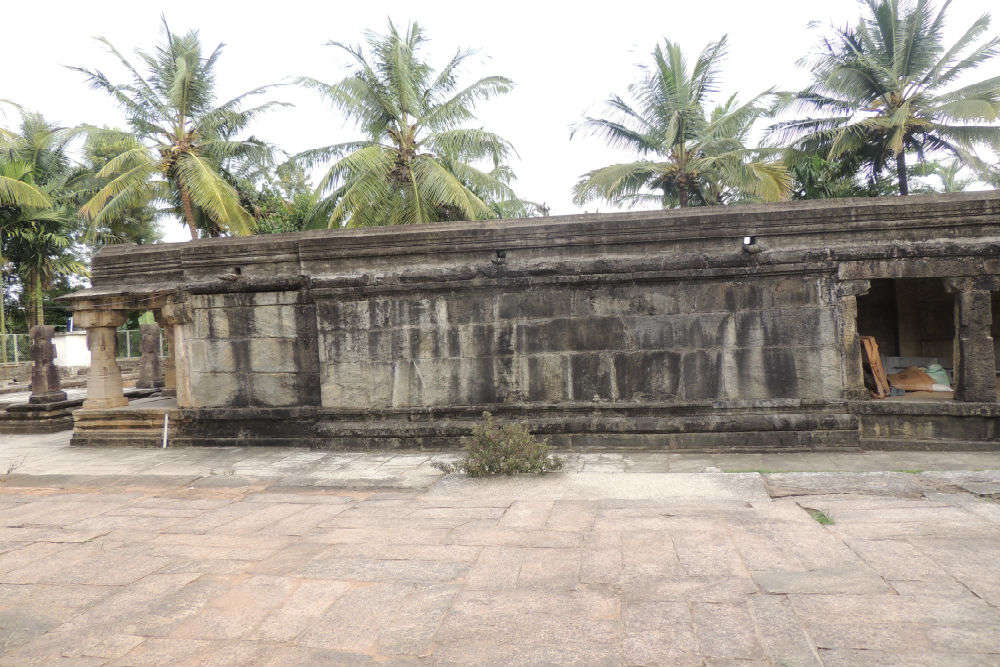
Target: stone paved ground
145, 557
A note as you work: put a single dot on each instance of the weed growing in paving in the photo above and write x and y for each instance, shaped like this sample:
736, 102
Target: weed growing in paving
820, 516
11, 467
503, 448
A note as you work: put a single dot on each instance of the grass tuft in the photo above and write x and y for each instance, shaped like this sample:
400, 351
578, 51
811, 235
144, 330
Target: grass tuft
821, 517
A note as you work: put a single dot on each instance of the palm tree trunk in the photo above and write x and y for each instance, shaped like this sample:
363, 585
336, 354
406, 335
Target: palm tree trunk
188, 211
36, 289
682, 194
904, 188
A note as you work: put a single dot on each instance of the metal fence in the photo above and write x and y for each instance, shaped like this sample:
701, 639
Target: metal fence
14, 348
130, 343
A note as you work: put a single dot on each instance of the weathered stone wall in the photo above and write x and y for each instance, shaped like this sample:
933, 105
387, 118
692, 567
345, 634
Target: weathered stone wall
659, 328
772, 337
256, 348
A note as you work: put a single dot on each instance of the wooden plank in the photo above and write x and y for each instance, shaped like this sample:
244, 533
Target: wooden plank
870, 347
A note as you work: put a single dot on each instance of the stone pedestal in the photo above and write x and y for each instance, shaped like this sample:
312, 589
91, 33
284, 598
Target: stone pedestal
47, 410
104, 383
149, 362
974, 356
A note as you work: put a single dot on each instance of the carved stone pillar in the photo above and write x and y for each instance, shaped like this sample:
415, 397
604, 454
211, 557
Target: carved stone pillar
44, 374
854, 379
149, 362
974, 357
104, 383
176, 317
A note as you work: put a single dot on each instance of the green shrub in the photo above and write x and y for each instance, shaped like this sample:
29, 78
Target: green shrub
499, 448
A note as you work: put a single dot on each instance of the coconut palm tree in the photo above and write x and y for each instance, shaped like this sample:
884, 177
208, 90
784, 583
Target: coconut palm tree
416, 162
17, 186
947, 174
886, 86
690, 155
129, 224
41, 249
179, 137
25, 154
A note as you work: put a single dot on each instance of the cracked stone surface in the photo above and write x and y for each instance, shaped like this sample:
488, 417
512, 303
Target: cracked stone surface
128, 560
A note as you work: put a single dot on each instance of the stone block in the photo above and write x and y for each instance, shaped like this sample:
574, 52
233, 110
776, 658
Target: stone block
216, 389
273, 355
334, 315
652, 376
275, 389
212, 356
700, 375
592, 375
212, 323
276, 321
546, 377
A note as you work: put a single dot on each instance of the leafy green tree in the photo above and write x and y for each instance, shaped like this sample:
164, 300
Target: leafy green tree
17, 177
180, 138
417, 161
885, 88
948, 176
816, 177
36, 175
691, 154
279, 197
129, 224
990, 175
42, 251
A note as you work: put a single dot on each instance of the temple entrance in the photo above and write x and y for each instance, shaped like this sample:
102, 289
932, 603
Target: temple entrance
913, 322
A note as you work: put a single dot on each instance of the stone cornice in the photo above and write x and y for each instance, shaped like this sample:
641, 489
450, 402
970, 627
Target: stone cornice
814, 231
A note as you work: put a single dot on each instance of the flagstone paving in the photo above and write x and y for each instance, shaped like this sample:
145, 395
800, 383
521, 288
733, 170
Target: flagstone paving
136, 557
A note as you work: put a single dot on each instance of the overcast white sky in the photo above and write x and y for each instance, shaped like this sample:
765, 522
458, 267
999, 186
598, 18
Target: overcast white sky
564, 57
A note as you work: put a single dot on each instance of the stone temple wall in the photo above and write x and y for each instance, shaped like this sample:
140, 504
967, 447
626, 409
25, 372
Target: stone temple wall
664, 342
728, 327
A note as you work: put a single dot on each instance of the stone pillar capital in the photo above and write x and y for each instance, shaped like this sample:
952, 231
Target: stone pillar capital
853, 287
175, 312
961, 284
92, 319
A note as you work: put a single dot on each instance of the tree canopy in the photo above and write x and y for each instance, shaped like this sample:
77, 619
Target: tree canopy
691, 151
416, 161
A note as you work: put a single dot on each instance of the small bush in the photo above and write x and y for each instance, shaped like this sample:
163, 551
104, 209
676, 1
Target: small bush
498, 448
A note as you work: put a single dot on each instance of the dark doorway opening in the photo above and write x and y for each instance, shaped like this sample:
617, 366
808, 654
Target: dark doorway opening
913, 321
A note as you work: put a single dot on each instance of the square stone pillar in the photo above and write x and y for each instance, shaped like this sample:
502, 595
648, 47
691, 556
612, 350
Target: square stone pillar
974, 358
848, 292
176, 317
169, 368
104, 382
149, 362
